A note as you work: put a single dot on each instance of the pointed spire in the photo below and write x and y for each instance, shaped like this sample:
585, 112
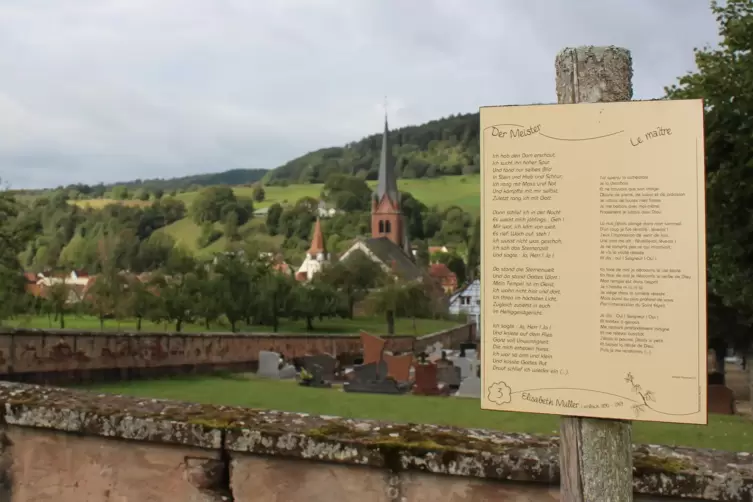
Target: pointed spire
317, 241
387, 183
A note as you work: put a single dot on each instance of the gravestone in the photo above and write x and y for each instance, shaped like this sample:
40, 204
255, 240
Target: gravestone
321, 369
426, 380
366, 372
434, 351
373, 347
326, 362
467, 366
398, 367
372, 376
449, 375
287, 372
470, 387
721, 400
269, 364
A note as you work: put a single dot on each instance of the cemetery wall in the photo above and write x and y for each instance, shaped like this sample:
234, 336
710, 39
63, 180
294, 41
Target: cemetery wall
67, 445
64, 356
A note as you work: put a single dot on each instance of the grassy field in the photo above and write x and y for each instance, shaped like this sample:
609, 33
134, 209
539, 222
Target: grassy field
463, 191
375, 325
186, 232
100, 203
729, 433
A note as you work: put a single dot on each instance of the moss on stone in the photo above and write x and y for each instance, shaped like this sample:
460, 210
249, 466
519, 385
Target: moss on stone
670, 465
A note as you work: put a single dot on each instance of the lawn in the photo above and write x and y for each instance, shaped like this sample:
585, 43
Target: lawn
375, 325
729, 433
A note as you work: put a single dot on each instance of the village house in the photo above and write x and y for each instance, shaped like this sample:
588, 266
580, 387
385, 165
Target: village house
446, 277
467, 300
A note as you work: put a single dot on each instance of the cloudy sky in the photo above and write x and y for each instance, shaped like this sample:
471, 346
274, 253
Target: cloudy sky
108, 90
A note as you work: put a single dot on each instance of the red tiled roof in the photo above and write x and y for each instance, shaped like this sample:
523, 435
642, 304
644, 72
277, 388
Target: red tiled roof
36, 290
440, 270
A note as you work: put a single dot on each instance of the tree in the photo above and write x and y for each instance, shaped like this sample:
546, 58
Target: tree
395, 298
234, 287
58, 300
231, 227
141, 194
422, 254
724, 80
273, 218
347, 193
180, 288
209, 203
258, 194
274, 298
105, 296
314, 299
208, 302
120, 192
140, 302
353, 277
11, 244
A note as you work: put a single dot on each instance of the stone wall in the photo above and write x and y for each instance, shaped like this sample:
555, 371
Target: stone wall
64, 356
66, 445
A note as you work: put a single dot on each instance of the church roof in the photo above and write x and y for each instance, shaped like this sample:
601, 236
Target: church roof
387, 183
317, 241
393, 256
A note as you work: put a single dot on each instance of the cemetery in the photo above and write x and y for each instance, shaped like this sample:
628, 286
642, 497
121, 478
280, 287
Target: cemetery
439, 372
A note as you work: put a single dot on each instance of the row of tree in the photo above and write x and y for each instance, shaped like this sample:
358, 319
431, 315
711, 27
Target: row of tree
237, 289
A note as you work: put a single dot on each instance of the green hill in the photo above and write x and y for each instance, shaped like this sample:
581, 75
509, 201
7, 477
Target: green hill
448, 146
445, 191
461, 191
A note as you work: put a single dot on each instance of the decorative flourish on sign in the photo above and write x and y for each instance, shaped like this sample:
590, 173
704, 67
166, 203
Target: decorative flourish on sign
500, 393
646, 395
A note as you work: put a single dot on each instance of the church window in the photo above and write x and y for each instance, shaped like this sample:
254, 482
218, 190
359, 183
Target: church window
387, 226
381, 226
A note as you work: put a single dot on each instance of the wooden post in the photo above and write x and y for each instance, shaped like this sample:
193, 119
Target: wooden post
596, 457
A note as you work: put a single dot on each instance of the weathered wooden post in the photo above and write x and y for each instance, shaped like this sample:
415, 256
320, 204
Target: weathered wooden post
596, 461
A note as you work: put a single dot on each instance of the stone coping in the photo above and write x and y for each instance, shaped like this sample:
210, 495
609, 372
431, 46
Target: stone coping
659, 470
79, 332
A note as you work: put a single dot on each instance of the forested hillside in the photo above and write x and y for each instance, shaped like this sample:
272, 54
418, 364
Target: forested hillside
128, 189
448, 146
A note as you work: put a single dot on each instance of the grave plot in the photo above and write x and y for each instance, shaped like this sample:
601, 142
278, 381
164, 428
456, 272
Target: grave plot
380, 373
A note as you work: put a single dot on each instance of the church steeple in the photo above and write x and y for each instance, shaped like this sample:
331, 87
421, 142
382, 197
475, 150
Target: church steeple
387, 183
318, 248
386, 214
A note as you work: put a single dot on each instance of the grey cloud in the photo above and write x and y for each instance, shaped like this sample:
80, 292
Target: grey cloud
106, 90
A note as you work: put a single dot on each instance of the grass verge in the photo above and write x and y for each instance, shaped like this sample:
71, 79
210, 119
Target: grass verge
731, 433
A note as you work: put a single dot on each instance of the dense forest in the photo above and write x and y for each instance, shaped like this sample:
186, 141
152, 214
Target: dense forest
448, 146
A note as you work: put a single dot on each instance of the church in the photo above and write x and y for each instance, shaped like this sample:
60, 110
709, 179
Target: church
389, 244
